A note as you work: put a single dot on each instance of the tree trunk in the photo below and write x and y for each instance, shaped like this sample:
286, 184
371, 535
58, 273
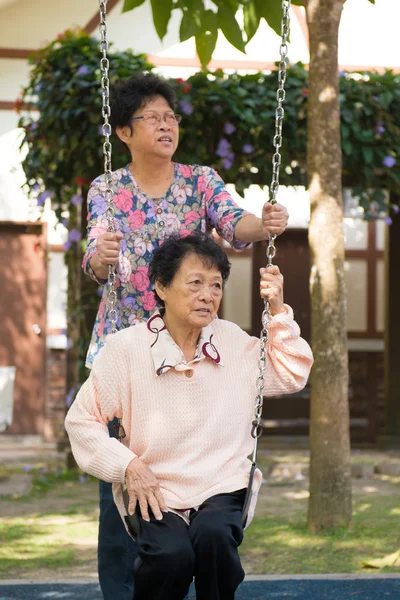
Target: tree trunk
330, 470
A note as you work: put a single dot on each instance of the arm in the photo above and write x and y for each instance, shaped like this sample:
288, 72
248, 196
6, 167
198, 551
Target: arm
289, 357
274, 220
235, 225
102, 247
99, 400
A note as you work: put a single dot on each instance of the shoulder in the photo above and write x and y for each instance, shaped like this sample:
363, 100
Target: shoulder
194, 171
226, 330
116, 177
120, 342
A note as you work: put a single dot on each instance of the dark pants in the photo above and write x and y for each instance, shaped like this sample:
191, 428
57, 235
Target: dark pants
117, 551
172, 553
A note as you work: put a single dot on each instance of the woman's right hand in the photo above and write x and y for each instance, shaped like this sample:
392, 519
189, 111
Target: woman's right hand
108, 246
143, 487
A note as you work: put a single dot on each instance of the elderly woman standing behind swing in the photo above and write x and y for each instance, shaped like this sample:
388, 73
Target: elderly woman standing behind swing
183, 386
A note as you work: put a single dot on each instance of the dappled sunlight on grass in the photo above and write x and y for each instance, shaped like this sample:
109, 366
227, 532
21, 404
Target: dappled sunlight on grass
302, 495
284, 545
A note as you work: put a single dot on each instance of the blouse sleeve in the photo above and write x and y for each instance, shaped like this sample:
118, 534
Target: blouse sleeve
97, 225
222, 211
289, 357
99, 400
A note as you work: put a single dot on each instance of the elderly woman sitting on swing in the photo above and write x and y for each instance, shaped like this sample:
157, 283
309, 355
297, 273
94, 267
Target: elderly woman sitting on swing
183, 385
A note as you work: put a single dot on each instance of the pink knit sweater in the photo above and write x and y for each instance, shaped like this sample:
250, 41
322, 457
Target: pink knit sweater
192, 431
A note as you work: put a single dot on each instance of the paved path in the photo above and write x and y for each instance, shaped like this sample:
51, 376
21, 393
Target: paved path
324, 587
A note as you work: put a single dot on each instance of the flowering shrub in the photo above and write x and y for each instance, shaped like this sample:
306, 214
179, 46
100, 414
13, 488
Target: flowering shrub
228, 123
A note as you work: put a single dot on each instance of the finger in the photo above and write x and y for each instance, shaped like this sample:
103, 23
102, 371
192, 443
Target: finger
155, 507
110, 246
270, 269
132, 503
109, 236
268, 207
144, 508
119, 236
160, 499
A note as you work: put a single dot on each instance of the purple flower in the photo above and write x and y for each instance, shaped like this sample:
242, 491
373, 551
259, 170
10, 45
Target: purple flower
67, 246
223, 148
74, 235
64, 222
379, 128
217, 108
35, 187
342, 73
376, 98
33, 125
84, 70
70, 397
229, 128
41, 199
27, 468
186, 107
38, 87
77, 199
248, 148
228, 162
396, 209
83, 479
389, 161
388, 221
43, 470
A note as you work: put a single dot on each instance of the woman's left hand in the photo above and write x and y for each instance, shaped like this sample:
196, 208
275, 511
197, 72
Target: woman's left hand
271, 288
274, 219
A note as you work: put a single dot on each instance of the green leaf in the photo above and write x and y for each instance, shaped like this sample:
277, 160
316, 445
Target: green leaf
131, 4
161, 15
251, 20
368, 154
206, 39
191, 22
230, 28
372, 1
272, 13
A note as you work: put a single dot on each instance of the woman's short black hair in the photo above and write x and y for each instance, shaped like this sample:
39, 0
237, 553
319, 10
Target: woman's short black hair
130, 95
168, 258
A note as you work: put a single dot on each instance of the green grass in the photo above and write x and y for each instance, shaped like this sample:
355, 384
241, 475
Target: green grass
53, 531
282, 544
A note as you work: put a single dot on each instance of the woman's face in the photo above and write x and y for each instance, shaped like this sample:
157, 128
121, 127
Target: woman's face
151, 139
193, 298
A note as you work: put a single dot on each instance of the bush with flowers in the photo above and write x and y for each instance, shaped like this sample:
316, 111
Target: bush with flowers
228, 123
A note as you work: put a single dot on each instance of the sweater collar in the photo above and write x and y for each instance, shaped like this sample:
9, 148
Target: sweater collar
167, 354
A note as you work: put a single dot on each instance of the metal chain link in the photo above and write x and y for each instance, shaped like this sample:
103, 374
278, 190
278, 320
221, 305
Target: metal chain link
107, 152
257, 427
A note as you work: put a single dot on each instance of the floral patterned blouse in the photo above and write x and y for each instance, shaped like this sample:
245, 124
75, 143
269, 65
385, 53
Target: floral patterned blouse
196, 199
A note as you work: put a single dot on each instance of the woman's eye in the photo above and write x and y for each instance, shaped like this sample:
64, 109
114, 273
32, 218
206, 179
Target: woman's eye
197, 281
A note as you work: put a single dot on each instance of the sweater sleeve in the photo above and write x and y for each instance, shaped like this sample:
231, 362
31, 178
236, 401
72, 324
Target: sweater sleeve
289, 357
96, 226
100, 399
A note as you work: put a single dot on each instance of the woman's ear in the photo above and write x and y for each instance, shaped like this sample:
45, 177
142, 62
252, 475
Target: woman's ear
160, 289
124, 133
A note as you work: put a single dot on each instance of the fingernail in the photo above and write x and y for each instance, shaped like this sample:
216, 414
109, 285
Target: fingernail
159, 518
